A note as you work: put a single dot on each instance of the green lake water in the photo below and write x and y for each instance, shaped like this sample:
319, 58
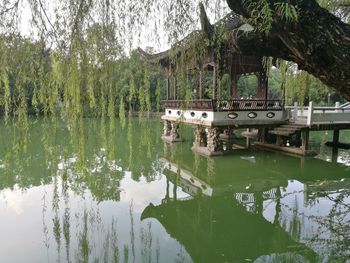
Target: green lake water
101, 191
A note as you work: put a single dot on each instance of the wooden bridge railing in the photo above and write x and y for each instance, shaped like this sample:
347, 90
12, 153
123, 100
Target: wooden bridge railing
226, 105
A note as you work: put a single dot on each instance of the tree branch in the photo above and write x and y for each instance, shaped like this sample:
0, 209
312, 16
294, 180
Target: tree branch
318, 41
8, 9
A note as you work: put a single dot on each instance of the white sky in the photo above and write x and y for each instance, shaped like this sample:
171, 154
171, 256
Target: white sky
147, 37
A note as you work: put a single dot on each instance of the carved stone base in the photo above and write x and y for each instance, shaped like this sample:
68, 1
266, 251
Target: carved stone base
171, 132
207, 141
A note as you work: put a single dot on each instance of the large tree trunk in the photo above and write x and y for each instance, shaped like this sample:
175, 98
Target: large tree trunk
318, 42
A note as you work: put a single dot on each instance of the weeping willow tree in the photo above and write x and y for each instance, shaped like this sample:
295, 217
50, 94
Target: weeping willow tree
77, 68
80, 42
36, 80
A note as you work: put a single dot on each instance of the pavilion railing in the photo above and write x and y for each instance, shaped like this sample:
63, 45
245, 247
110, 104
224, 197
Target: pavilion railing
226, 105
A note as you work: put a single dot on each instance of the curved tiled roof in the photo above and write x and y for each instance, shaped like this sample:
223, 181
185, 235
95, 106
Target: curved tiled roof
230, 22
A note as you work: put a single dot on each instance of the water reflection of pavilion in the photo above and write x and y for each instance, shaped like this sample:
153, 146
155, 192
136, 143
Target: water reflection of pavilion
223, 220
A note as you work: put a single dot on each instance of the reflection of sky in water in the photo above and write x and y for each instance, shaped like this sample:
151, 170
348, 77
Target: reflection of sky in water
326, 153
23, 211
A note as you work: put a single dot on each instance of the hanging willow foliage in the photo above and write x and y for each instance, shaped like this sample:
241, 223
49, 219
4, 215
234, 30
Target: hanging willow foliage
35, 80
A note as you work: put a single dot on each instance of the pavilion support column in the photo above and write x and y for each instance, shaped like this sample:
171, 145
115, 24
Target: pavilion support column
201, 84
214, 95
167, 72
168, 88
262, 85
233, 91
174, 88
171, 132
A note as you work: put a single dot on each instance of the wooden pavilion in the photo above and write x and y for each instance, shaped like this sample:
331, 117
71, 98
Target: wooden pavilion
207, 55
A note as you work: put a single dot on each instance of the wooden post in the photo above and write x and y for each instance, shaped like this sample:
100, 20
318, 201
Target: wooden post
335, 137
214, 95
335, 152
266, 83
201, 83
233, 91
233, 74
305, 140
168, 88
174, 88
310, 114
262, 85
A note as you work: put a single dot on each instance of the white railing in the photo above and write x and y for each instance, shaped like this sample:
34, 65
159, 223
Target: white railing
320, 115
345, 105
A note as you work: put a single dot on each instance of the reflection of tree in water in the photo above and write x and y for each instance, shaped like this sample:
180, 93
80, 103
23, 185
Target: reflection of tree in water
132, 230
56, 221
89, 231
130, 142
334, 228
88, 237
70, 158
326, 233
66, 221
86, 161
293, 225
146, 243
101, 174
